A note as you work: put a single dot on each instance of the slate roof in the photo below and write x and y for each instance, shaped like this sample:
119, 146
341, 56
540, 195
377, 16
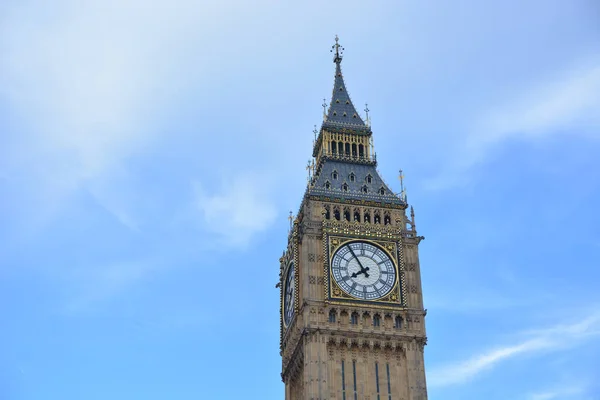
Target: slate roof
354, 191
341, 113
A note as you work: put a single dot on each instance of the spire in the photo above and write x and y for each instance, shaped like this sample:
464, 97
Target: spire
341, 110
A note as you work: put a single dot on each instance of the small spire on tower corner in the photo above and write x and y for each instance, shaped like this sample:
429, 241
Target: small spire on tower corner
402, 188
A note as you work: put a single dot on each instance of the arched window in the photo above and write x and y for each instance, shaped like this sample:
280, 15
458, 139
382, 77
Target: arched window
327, 185
334, 174
361, 150
348, 149
376, 320
327, 212
354, 318
356, 216
336, 213
352, 177
345, 187
364, 189
369, 178
398, 322
377, 218
341, 148
332, 316
346, 214
333, 147
381, 191
387, 219
353, 149
367, 217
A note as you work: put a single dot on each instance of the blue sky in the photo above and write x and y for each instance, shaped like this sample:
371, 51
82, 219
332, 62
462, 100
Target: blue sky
150, 153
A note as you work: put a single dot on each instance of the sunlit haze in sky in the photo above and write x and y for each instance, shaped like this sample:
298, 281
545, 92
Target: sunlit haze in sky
150, 152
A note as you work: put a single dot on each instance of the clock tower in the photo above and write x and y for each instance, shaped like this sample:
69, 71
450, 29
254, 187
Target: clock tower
352, 316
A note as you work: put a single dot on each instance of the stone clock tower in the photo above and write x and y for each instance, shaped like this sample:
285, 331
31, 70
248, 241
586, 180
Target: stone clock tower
352, 317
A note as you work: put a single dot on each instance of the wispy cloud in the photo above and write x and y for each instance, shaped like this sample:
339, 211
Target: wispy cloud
93, 285
554, 338
89, 85
565, 104
241, 208
562, 392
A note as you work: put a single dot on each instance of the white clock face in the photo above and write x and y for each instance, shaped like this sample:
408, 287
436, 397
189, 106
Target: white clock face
363, 270
288, 299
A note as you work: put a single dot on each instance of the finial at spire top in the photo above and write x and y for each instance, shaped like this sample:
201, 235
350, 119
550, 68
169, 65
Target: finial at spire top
339, 50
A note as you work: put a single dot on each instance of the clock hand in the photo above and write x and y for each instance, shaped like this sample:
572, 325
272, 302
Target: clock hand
363, 270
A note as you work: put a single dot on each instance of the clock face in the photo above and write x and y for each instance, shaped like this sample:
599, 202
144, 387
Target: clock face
363, 270
288, 299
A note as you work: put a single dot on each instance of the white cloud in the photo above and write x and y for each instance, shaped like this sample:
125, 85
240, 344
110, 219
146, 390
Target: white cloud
571, 101
553, 338
240, 210
88, 84
567, 104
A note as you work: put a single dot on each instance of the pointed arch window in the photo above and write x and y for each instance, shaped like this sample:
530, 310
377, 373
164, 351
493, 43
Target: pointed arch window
327, 212
369, 178
367, 217
352, 177
327, 185
376, 320
381, 191
345, 187
334, 174
377, 218
398, 322
356, 215
336, 213
347, 214
332, 316
354, 318
387, 219
333, 147
364, 189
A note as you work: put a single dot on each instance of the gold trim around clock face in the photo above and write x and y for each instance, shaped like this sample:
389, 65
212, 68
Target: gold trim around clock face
392, 250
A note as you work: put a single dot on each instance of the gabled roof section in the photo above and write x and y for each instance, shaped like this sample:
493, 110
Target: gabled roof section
342, 113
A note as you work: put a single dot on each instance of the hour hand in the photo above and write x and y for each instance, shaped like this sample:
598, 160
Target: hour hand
362, 271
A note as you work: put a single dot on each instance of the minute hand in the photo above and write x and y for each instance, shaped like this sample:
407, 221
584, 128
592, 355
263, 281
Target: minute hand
363, 270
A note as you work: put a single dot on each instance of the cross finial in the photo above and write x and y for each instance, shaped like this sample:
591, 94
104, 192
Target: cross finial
367, 112
324, 105
291, 218
339, 50
315, 132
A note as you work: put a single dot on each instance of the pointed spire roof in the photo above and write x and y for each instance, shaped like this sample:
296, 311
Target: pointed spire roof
341, 113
